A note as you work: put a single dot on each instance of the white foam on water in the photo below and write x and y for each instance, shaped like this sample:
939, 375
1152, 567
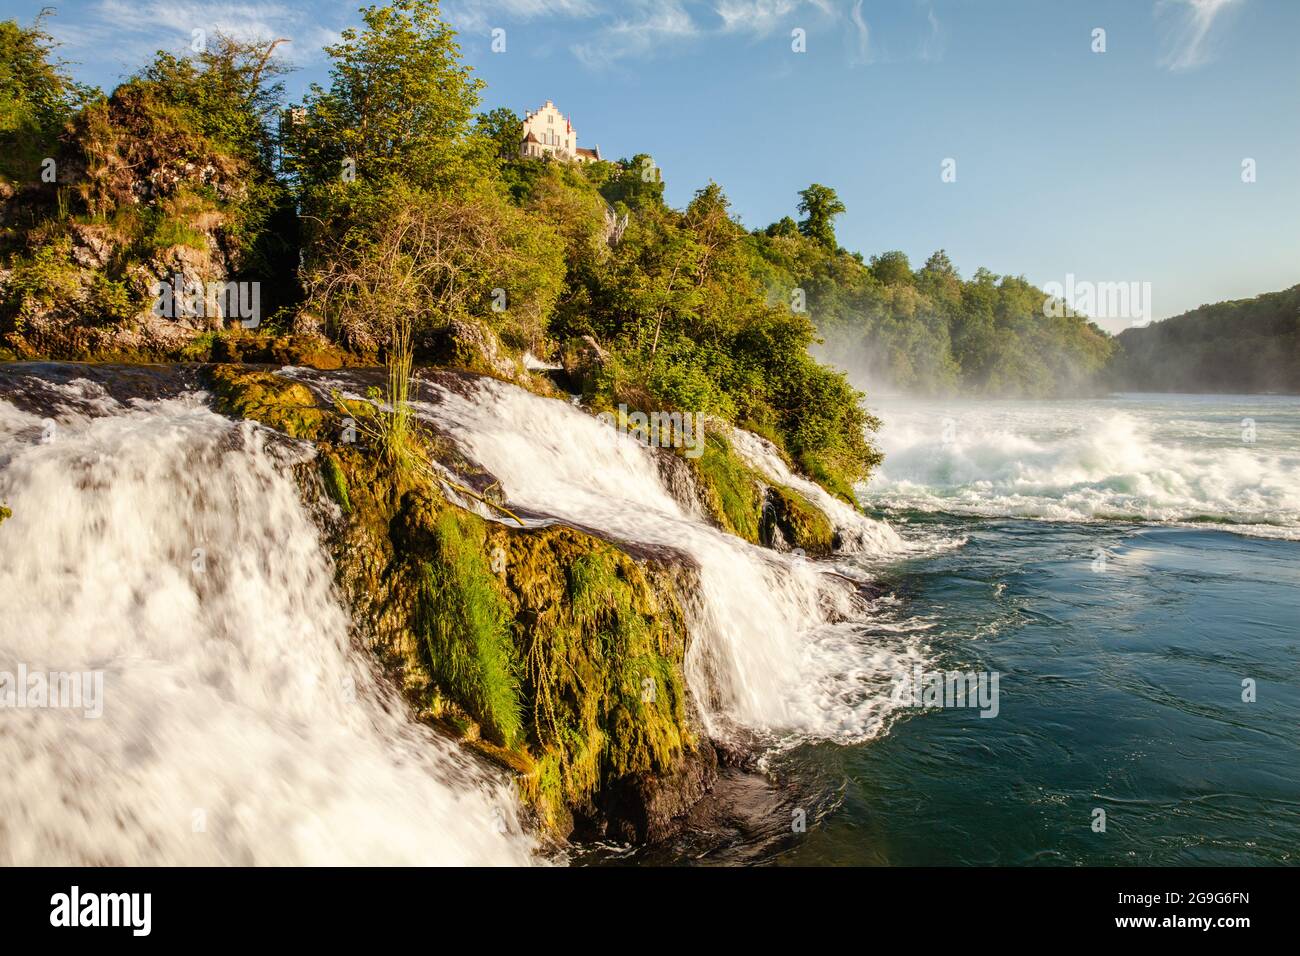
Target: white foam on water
1161, 461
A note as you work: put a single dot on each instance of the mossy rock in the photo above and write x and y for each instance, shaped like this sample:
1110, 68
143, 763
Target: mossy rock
791, 519
560, 648
548, 650
273, 400
603, 640
336, 482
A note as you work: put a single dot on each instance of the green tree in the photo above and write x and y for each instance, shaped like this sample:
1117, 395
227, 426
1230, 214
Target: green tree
504, 127
939, 265
820, 205
37, 97
784, 228
892, 268
400, 106
637, 183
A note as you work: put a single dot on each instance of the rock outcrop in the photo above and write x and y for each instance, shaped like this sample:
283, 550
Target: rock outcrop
550, 651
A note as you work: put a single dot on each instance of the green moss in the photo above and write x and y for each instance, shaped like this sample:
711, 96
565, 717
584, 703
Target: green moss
602, 648
465, 624
276, 402
336, 483
802, 523
169, 231
731, 491
5, 513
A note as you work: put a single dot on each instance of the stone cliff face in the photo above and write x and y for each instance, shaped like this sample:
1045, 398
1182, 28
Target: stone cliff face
138, 198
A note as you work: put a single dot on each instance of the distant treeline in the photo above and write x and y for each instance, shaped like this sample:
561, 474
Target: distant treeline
1246, 345
928, 331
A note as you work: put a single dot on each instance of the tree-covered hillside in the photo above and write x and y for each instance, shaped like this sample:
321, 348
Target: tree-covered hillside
925, 330
1245, 345
386, 213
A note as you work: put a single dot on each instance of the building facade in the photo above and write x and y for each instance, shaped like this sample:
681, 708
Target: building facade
548, 132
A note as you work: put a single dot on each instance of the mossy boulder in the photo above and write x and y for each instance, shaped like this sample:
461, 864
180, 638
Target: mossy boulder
566, 655
603, 640
731, 492
549, 650
273, 400
743, 502
791, 521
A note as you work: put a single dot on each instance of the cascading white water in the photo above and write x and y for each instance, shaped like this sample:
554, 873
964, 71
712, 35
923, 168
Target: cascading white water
163, 545
858, 533
774, 647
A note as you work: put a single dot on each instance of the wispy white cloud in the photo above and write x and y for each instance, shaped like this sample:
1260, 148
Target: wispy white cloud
648, 28
759, 17
934, 44
480, 15
124, 34
1188, 25
862, 40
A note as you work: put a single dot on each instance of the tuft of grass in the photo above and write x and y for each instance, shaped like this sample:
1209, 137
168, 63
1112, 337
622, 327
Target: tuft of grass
829, 478
170, 231
396, 431
465, 624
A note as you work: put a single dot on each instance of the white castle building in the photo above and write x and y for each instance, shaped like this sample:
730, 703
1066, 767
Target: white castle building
548, 132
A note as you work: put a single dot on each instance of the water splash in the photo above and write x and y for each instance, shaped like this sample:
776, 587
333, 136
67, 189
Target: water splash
1163, 460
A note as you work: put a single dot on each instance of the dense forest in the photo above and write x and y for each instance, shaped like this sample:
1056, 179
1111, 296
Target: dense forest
1244, 346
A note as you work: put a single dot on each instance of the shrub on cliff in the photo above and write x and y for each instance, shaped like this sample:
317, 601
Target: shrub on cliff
172, 174
37, 97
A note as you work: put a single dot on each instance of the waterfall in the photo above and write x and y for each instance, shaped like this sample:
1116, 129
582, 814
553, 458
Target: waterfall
777, 648
166, 550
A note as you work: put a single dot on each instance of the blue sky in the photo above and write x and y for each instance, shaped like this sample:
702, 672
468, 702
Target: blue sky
1117, 166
